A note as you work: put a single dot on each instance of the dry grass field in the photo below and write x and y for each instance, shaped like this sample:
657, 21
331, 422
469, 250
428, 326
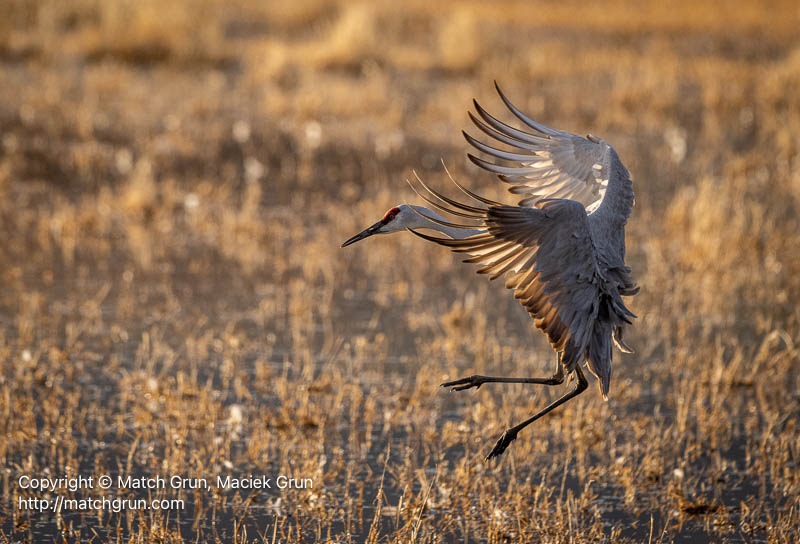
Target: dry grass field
176, 179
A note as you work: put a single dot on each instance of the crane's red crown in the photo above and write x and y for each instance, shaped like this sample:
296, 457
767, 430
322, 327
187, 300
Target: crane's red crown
389, 215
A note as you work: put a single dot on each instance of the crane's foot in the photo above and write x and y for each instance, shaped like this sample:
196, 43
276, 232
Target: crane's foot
502, 443
475, 381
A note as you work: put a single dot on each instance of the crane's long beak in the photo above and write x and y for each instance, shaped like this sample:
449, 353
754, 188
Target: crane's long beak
366, 233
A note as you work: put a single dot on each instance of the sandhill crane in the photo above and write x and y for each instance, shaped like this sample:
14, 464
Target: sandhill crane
562, 247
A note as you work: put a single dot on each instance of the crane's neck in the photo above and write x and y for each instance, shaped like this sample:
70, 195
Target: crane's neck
420, 222
618, 200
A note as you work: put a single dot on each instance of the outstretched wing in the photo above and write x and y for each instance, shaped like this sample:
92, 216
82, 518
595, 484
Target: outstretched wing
548, 253
545, 163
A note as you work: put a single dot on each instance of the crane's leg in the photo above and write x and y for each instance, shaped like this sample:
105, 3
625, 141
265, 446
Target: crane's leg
477, 381
511, 434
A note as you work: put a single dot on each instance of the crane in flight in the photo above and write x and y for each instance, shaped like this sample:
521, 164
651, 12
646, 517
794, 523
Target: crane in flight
562, 248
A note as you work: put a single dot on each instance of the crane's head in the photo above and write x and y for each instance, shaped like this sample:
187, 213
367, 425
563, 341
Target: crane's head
394, 220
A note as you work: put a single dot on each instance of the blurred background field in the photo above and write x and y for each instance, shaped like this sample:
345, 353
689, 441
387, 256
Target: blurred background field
176, 179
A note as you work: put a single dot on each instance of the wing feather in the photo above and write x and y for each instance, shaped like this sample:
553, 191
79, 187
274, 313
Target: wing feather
546, 164
549, 253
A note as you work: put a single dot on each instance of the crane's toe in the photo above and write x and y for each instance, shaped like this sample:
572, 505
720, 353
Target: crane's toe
502, 443
465, 383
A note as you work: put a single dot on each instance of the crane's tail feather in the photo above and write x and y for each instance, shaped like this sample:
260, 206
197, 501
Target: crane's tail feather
621, 345
599, 355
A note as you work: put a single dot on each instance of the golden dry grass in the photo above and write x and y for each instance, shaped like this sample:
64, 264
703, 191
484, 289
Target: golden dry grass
176, 179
